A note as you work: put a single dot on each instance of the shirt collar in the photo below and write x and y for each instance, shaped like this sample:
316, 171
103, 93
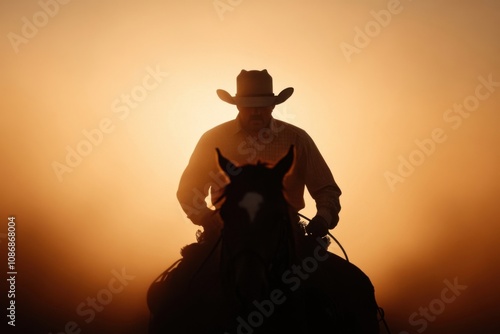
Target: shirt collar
237, 128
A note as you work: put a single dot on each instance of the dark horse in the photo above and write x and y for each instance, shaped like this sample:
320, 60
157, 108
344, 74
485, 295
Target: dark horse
264, 274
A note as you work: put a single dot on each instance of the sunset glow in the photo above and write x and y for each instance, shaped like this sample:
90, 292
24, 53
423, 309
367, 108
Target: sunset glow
103, 103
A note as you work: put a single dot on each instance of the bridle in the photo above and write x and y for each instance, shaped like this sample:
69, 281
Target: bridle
272, 259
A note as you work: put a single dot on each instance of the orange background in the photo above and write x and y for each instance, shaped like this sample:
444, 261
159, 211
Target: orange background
117, 208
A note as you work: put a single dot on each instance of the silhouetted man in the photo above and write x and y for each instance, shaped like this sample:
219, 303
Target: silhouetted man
256, 136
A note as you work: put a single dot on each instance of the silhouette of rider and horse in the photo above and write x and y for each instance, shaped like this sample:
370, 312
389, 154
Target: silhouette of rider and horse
257, 268
256, 278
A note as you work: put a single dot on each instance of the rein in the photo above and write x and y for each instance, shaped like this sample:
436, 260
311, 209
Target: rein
331, 236
380, 310
197, 272
214, 247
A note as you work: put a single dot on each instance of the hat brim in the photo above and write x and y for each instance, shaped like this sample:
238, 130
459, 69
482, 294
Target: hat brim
255, 101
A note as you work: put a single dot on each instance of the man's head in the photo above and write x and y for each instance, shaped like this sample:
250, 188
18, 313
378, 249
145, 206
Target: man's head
254, 119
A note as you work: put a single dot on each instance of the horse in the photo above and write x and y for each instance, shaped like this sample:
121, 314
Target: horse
264, 274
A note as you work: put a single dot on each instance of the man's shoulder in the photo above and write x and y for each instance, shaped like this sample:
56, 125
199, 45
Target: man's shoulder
224, 128
299, 132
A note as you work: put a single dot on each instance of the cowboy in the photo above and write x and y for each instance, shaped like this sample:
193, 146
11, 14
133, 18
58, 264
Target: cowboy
254, 135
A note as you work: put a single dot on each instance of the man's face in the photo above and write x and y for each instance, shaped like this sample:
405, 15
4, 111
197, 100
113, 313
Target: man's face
254, 119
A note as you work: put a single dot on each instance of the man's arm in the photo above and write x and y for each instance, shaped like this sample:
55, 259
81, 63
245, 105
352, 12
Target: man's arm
322, 186
195, 182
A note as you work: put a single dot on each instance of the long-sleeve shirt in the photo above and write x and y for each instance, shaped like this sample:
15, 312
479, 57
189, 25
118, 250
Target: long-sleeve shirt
203, 176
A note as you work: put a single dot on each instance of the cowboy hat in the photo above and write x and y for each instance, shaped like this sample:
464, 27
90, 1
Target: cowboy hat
255, 89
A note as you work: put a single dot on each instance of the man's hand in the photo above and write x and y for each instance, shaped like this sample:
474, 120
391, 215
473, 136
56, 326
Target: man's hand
318, 227
212, 223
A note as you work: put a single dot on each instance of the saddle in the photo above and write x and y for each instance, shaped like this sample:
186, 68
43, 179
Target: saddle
174, 282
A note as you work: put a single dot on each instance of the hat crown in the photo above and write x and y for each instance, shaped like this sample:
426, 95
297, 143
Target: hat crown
254, 83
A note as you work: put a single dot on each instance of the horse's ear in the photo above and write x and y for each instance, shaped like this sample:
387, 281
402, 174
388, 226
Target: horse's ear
227, 166
284, 165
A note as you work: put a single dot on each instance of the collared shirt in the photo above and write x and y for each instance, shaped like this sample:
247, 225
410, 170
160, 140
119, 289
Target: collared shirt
202, 176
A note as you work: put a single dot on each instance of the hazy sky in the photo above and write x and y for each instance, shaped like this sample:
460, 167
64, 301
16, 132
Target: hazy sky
103, 102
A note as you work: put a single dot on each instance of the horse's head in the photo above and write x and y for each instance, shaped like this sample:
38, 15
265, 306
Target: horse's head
256, 224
